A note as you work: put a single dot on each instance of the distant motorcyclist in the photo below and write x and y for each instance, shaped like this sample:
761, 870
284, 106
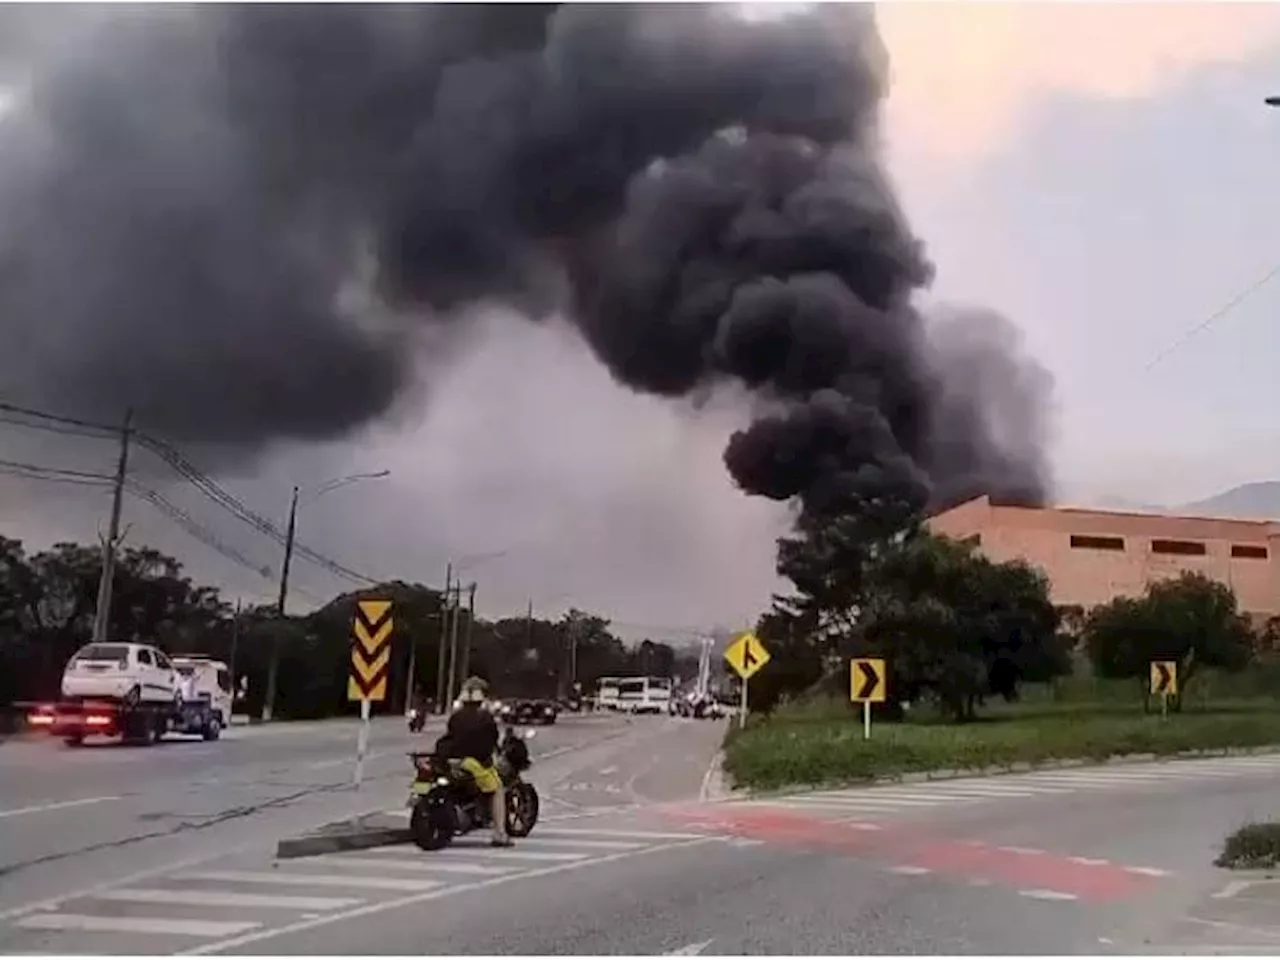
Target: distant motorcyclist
472, 737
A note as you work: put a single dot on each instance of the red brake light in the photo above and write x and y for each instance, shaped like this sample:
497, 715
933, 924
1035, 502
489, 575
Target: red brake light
97, 720
40, 720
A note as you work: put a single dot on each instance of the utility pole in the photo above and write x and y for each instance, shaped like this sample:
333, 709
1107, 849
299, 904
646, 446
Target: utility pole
231, 665
453, 643
102, 615
466, 640
273, 663
444, 632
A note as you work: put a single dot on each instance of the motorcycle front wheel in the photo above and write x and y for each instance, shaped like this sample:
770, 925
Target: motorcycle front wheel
522, 809
431, 825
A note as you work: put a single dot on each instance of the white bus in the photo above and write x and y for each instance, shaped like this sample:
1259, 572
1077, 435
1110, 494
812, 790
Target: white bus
645, 694
607, 693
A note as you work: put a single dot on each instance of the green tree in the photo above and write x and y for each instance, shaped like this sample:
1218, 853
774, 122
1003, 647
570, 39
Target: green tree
957, 626
1192, 620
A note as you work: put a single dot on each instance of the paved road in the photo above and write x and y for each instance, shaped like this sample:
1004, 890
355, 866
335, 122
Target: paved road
1108, 860
73, 820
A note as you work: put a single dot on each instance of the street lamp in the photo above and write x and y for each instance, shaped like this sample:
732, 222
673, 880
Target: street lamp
309, 496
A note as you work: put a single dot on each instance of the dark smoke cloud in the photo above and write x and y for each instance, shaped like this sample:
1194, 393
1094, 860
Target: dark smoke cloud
240, 220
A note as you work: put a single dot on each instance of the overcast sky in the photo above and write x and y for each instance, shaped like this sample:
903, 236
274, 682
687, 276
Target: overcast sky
1102, 174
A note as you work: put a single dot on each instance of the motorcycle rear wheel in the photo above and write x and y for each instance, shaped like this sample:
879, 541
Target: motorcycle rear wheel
430, 826
522, 810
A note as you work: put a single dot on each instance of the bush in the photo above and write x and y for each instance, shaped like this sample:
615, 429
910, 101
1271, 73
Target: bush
1253, 846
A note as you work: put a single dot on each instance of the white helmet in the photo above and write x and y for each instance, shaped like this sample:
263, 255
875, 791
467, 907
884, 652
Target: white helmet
474, 690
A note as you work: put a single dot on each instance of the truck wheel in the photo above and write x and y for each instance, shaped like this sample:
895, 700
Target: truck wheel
134, 696
213, 728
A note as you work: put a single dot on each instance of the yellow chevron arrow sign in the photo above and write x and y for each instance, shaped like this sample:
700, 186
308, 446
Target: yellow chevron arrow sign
371, 628
371, 642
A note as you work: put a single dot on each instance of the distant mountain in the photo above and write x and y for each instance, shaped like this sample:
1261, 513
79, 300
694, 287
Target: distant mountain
1249, 501
1125, 505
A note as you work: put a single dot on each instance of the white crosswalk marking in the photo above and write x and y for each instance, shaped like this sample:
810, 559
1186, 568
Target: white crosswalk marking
92, 924
238, 893
424, 864
346, 880
927, 796
218, 898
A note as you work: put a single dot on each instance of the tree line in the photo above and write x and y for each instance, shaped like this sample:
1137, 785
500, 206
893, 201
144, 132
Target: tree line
48, 598
957, 628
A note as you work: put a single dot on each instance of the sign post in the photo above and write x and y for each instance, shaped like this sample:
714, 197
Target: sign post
867, 685
747, 656
1164, 683
370, 665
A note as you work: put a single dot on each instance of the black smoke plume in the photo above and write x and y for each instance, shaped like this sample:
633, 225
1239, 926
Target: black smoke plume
239, 221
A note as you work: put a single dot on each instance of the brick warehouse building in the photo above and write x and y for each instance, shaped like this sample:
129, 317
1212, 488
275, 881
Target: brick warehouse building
1093, 556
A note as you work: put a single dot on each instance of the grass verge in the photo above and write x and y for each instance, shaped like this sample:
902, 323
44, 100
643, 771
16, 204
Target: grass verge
1255, 846
816, 744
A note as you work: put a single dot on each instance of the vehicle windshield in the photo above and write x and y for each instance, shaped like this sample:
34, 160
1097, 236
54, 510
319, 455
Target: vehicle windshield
104, 653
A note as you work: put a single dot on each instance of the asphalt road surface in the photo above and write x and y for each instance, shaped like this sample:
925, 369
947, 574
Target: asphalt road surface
632, 857
74, 819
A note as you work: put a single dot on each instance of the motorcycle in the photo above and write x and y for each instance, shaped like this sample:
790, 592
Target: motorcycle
417, 719
446, 803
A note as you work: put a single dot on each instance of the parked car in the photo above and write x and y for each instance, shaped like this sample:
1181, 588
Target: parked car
131, 672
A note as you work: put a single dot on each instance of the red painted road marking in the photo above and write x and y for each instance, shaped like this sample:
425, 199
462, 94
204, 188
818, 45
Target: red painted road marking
1020, 868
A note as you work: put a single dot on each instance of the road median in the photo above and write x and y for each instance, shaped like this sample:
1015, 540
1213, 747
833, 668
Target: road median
812, 749
354, 833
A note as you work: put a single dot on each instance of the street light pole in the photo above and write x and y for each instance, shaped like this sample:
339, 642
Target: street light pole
273, 663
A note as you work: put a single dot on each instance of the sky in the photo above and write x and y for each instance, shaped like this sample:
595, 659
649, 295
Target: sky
1102, 174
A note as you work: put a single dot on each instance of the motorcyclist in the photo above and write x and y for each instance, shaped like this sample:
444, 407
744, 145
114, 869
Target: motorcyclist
472, 737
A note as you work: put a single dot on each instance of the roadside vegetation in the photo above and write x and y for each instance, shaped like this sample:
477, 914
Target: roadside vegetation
983, 670
1255, 846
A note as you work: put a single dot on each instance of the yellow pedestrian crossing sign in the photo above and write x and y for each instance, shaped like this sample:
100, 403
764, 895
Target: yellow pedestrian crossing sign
746, 655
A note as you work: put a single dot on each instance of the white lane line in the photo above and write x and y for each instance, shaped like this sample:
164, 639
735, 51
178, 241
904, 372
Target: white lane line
586, 844
42, 808
424, 865
859, 825
907, 870
619, 834
831, 803
1148, 871
690, 949
1233, 888
341, 880
1089, 861
996, 793
1046, 895
446, 891
222, 898
509, 854
605, 771
183, 928
1031, 851
878, 796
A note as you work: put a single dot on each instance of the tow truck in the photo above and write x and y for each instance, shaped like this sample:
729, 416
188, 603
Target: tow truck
202, 709
137, 723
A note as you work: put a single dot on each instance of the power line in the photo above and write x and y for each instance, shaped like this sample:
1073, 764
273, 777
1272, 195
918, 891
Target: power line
179, 516
1217, 315
205, 484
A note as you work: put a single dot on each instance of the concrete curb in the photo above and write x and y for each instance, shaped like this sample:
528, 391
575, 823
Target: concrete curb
737, 793
355, 833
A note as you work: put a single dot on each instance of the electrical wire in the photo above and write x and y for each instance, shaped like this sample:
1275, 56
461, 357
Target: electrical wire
180, 464
1217, 315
